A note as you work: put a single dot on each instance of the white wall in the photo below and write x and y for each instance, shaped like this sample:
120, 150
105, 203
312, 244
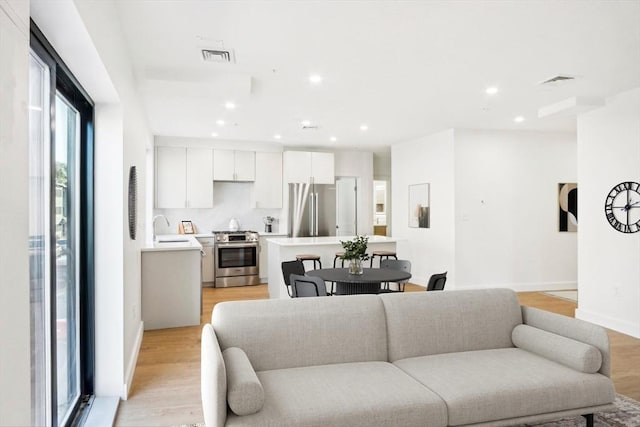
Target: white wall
15, 353
506, 186
430, 160
91, 45
609, 261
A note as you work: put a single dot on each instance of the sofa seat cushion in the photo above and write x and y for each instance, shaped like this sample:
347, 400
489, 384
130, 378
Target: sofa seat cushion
348, 394
487, 385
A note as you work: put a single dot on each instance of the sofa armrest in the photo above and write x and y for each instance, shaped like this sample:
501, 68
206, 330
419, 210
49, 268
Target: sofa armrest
213, 380
566, 351
245, 394
575, 329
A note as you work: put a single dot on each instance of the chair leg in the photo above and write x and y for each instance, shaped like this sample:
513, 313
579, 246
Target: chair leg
589, 419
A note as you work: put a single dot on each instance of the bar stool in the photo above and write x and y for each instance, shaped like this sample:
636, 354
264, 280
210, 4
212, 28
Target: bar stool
382, 255
310, 257
338, 256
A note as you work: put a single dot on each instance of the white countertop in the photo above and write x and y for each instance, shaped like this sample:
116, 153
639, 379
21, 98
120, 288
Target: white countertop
326, 240
173, 242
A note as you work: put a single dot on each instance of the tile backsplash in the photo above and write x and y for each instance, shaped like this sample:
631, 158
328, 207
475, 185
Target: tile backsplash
230, 200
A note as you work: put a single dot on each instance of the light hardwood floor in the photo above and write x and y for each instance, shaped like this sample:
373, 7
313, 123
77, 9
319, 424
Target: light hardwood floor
166, 385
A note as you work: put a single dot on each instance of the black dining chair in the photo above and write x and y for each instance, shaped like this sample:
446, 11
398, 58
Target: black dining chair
395, 264
307, 286
437, 281
289, 268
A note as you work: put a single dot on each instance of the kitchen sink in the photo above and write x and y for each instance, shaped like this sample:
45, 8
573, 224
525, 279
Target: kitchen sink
172, 240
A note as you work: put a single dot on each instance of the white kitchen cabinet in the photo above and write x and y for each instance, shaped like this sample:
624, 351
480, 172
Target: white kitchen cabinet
323, 168
267, 188
184, 177
231, 165
304, 166
199, 178
208, 271
171, 288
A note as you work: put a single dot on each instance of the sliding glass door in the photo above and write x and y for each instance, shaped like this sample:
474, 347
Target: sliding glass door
61, 232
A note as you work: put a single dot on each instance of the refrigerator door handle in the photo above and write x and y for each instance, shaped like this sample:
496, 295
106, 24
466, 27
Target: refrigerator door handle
312, 214
315, 205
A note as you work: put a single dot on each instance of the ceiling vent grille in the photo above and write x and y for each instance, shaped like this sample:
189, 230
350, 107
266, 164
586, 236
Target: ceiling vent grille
310, 127
557, 79
220, 56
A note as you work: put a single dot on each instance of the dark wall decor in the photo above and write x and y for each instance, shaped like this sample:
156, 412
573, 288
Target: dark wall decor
133, 202
568, 207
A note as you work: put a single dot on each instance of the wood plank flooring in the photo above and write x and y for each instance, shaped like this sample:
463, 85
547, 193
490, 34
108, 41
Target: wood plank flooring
166, 385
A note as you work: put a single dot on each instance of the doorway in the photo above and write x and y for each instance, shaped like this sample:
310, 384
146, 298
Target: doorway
346, 206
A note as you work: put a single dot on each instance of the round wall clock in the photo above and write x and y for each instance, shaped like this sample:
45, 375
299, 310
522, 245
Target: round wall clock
622, 207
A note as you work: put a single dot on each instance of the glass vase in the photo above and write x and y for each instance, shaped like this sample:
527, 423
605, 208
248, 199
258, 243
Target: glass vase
355, 266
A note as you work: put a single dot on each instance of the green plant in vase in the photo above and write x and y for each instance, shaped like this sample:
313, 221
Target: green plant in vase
355, 251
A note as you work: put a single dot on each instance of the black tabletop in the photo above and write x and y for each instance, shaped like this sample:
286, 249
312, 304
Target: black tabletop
369, 275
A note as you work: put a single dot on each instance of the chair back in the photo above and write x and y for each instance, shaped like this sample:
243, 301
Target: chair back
437, 281
396, 264
307, 286
289, 268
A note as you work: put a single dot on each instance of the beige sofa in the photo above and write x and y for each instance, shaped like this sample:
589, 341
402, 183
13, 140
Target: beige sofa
454, 358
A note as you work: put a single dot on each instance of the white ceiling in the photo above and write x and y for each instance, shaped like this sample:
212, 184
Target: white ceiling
405, 68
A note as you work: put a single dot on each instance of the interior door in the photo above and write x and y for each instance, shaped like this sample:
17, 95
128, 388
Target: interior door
346, 206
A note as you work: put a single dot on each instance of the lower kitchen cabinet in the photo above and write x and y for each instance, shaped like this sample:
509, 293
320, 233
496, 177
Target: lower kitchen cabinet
171, 288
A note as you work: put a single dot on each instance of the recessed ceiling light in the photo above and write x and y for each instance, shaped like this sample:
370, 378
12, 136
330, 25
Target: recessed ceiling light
229, 105
306, 123
214, 134
220, 122
519, 119
491, 90
364, 127
277, 136
315, 79
333, 139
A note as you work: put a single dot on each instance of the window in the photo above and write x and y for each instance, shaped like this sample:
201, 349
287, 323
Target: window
61, 236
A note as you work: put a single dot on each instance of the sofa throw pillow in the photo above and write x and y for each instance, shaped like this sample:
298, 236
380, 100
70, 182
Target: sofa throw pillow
245, 395
574, 354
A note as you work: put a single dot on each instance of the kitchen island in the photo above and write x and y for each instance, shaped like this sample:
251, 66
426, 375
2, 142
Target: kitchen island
286, 248
171, 282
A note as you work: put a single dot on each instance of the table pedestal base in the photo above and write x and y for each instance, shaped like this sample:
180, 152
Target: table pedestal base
343, 288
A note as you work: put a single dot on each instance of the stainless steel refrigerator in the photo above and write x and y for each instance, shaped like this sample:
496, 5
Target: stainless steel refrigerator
312, 210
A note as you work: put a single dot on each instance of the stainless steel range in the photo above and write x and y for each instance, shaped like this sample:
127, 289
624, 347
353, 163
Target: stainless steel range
236, 258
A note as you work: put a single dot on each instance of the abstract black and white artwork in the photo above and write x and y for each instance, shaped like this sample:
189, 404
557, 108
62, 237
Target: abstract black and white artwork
419, 214
568, 207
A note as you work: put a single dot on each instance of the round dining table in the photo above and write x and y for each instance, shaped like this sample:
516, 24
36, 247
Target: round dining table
366, 283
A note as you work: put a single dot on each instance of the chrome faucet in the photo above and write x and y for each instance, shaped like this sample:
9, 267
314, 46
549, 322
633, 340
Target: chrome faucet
153, 224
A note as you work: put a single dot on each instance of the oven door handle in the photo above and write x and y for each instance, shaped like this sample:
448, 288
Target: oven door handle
238, 245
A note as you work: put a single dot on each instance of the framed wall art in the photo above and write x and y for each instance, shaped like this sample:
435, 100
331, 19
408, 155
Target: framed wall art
568, 207
187, 227
419, 209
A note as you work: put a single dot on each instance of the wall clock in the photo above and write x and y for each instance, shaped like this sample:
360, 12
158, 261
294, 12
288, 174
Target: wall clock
622, 207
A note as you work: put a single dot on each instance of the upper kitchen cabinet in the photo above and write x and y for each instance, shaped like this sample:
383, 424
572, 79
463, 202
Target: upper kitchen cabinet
304, 166
267, 188
184, 177
230, 165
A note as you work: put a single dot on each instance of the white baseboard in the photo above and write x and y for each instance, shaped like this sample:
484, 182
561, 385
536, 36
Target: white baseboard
133, 360
623, 326
526, 287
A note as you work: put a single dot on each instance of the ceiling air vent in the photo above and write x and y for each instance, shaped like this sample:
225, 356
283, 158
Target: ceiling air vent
310, 127
215, 55
557, 79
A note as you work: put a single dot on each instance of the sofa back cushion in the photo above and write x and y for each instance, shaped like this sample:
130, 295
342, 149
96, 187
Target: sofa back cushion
289, 333
426, 323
